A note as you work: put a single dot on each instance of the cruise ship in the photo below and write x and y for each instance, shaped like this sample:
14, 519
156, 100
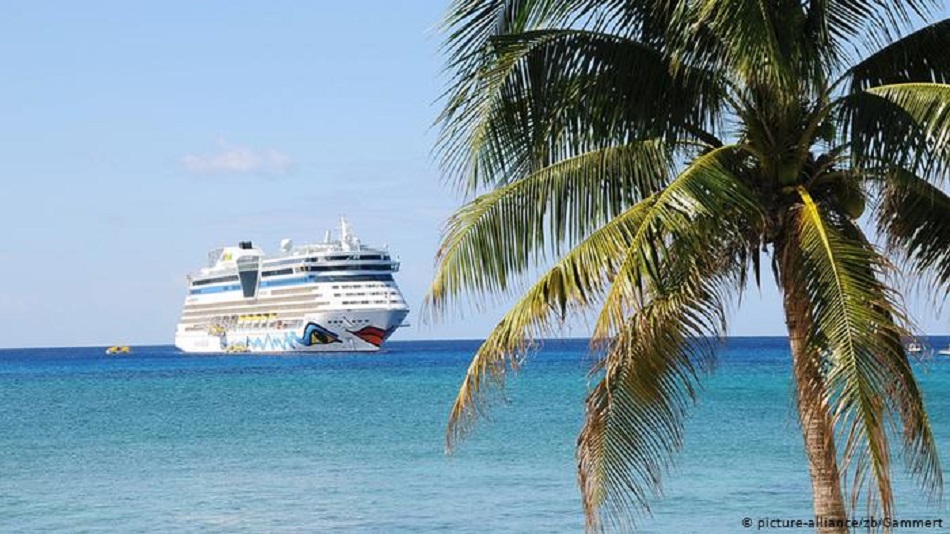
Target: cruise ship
334, 296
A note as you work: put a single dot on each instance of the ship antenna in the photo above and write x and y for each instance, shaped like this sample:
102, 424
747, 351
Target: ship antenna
344, 230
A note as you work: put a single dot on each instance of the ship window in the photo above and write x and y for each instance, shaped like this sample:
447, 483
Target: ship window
277, 272
357, 278
276, 263
249, 283
358, 267
207, 281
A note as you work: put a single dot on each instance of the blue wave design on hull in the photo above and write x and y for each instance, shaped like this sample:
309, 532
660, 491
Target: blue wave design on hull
313, 334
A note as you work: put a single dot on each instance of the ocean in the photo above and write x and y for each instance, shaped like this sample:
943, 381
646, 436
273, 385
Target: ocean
161, 441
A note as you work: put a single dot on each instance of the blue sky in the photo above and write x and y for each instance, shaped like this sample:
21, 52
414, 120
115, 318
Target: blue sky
137, 137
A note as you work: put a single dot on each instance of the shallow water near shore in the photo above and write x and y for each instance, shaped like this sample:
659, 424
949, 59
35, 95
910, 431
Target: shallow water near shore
164, 441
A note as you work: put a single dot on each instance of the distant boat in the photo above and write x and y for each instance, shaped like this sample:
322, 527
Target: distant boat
915, 348
945, 352
119, 349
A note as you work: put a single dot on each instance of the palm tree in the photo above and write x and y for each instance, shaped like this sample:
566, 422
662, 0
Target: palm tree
647, 157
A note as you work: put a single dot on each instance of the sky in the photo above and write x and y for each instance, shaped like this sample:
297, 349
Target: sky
137, 137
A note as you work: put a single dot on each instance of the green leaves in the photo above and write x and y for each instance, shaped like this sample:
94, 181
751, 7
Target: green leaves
659, 322
543, 96
837, 23
856, 323
499, 235
903, 125
915, 217
661, 346
650, 377
635, 414
749, 33
919, 57
572, 285
566, 120
705, 204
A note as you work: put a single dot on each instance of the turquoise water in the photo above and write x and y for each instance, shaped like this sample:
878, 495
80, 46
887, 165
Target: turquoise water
163, 441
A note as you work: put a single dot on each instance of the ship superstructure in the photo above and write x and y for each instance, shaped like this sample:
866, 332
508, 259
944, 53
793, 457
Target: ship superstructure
338, 295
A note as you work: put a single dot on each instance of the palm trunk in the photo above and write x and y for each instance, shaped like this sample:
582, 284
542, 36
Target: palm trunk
817, 427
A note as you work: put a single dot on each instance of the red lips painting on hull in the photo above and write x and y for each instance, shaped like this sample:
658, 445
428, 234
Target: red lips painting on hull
371, 334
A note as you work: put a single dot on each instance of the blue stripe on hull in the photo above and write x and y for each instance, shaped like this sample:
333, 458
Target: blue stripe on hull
213, 289
266, 283
289, 281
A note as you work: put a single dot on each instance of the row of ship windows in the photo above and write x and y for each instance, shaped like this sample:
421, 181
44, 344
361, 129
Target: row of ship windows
313, 268
234, 320
336, 257
349, 323
372, 293
360, 294
357, 278
194, 312
227, 323
284, 272
364, 302
332, 278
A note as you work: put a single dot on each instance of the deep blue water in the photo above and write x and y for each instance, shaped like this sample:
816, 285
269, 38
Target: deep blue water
164, 441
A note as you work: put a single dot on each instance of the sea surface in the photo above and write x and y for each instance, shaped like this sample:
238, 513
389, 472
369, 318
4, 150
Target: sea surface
161, 441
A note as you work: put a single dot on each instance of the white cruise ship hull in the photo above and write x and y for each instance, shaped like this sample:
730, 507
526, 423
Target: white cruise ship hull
360, 331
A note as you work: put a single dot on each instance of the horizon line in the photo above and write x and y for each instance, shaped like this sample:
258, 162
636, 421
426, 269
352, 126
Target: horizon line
436, 340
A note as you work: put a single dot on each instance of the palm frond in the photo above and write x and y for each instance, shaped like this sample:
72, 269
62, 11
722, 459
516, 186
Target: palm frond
749, 30
497, 236
650, 377
645, 21
469, 24
902, 125
860, 21
915, 217
706, 192
572, 284
919, 57
857, 324
542, 96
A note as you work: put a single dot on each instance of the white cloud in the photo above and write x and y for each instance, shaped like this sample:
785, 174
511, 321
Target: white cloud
230, 159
